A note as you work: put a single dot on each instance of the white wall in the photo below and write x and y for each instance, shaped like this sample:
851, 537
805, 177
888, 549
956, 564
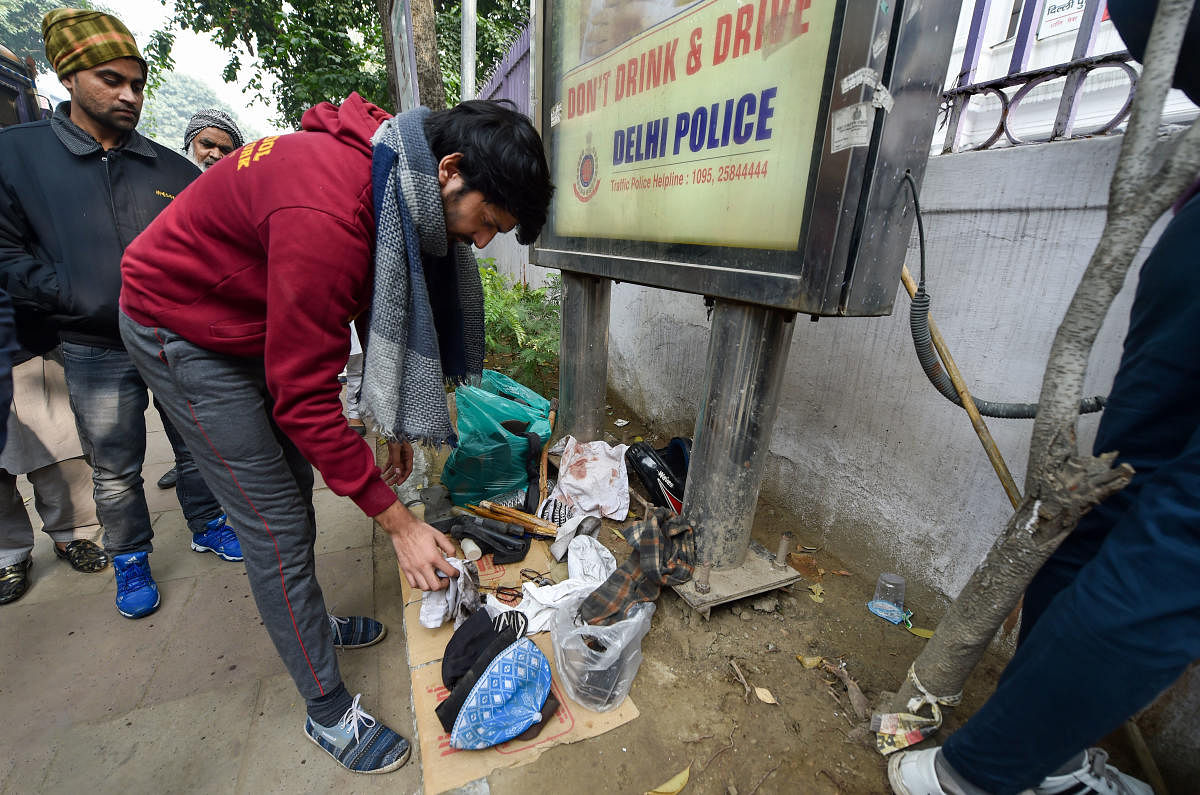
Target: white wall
878, 466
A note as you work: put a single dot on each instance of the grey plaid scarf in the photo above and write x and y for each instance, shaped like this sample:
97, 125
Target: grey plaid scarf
427, 309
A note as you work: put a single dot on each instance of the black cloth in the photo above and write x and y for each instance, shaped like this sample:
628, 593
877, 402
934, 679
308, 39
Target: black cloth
1133, 18
471, 649
68, 209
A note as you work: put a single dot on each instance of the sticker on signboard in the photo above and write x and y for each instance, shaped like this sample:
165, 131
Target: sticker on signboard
851, 126
859, 77
879, 44
556, 114
883, 99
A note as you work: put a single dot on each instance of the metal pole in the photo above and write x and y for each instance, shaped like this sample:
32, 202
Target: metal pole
583, 356
747, 356
468, 50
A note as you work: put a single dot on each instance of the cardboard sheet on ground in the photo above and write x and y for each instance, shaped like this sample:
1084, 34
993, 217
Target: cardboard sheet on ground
444, 768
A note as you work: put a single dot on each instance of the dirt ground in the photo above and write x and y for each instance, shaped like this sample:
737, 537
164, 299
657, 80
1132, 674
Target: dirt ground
695, 712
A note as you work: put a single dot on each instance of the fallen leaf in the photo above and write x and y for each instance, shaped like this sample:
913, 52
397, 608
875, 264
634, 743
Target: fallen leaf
842, 572
821, 572
805, 564
920, 632
809, 662
764, 695
672, 787
817, 593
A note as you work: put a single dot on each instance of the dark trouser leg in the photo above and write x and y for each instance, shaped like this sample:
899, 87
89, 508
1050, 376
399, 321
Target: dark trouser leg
16, 532
195, 498
221, 408
1114, 616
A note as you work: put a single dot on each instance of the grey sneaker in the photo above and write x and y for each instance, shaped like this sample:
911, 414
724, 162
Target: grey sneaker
359, 743
1094, 775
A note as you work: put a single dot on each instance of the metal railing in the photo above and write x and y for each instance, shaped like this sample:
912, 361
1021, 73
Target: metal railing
956, 100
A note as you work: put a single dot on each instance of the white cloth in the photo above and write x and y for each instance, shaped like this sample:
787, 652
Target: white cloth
457, 600
592, 477
588, 565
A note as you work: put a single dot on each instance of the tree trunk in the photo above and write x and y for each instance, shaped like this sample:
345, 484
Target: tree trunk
389, 51
1062, 485
429, 70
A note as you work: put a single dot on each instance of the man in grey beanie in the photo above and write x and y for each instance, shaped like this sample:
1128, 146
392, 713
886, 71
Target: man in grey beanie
211, 134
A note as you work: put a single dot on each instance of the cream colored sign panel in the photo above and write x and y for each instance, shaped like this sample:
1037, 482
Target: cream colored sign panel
688, 123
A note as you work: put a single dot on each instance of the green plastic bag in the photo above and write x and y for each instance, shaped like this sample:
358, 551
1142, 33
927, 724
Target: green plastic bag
492, 449
502, 385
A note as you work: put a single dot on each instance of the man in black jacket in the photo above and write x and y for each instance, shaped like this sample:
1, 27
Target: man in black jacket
74, 192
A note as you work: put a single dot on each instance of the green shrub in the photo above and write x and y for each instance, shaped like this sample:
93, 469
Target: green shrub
521, 328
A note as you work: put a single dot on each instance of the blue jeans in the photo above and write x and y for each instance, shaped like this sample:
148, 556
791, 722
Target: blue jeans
1113, 618
109, 399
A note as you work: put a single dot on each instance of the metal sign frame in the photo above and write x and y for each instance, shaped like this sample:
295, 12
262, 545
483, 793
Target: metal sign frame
838, 264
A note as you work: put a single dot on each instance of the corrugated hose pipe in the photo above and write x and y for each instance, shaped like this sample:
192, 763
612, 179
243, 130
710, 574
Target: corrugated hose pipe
918, 321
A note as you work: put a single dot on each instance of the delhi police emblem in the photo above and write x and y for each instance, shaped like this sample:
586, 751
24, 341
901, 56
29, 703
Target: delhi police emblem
587, 181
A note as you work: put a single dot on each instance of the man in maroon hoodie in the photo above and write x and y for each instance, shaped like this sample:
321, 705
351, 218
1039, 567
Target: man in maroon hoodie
236, 304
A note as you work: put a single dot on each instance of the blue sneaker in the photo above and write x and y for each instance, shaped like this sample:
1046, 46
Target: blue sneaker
218, 538
359, 743
355, 632
137, 593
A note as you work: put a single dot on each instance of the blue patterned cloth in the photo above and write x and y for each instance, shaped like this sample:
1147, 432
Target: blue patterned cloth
506, 700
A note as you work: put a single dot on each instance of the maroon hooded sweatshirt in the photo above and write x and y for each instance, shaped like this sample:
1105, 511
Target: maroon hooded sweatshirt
269, 255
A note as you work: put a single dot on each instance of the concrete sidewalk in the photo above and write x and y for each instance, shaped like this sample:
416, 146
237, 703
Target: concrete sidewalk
192, 698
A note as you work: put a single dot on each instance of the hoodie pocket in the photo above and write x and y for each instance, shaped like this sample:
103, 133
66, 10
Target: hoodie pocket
237, 331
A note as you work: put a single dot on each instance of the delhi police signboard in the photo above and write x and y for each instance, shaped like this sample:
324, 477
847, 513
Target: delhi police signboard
745, 149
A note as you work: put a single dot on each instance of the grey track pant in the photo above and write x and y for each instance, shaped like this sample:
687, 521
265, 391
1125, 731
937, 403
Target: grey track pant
221, 408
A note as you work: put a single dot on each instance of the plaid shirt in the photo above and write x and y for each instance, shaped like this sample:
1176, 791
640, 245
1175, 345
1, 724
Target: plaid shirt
664, 551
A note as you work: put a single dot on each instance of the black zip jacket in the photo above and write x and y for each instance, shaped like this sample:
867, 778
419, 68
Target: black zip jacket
68, 209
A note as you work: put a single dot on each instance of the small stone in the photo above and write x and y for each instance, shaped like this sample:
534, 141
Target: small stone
737, 611
747, 616
765, 604
772, 647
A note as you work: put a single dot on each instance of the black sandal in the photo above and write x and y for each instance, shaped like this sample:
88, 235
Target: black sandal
83, 555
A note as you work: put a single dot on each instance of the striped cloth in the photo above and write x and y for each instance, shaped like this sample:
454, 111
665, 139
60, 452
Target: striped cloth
664, 552
427, 310
78, 39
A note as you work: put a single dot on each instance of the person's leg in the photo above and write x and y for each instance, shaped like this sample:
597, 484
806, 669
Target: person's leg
1104, 648
219, 405
205, 519
109, 399
16, 532
1112, 636
62, 496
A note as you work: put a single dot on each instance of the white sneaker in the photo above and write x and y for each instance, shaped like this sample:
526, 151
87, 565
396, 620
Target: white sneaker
1096, 775
912, 773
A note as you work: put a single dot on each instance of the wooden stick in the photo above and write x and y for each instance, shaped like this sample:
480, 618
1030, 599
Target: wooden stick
981, 429
542, 484
532, 525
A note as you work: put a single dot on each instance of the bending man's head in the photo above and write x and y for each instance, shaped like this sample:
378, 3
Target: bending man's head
490, 148
210, 135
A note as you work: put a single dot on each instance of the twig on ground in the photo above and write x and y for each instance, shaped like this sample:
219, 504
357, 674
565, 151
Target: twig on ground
697, 739
764, 778
831, 777
720, 750
862, 707
741, 679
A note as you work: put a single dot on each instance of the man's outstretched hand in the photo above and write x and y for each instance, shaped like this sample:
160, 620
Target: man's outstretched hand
419, 548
